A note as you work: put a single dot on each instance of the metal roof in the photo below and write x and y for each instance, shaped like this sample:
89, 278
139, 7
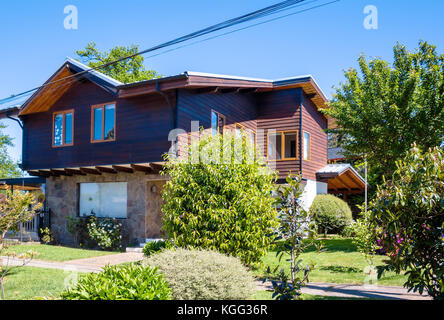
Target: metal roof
335, 153
338, 168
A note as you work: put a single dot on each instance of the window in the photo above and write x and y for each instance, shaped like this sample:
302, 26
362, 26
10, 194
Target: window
107, 199
103, 123
217, 123
306, 146
282, 145
63, 125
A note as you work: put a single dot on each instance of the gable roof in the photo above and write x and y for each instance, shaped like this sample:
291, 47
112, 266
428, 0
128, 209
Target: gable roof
341, 176
61, 81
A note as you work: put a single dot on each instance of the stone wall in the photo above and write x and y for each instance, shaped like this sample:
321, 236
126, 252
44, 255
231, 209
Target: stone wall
143, 206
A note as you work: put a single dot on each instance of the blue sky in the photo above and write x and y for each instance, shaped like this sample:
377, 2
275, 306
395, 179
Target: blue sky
321, 42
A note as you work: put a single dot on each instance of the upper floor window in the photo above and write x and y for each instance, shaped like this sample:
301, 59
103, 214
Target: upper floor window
217, 123
63, 128
306, 146
282, 145
103, 123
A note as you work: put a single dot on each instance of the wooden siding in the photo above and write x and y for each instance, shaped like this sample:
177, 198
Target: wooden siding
314, 123
279, 110
142, 127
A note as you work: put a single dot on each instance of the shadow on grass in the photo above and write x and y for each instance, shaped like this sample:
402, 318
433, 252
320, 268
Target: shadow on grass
330, 245
341, 269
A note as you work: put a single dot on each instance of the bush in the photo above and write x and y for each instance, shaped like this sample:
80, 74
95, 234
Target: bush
106, 232
155, 246
349, 230
407, 220
130, 282
331, 214
203, 275
220, 204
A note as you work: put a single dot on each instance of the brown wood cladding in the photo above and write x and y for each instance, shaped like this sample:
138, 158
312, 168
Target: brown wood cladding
279, 110
144, 122
143, 125
314, 123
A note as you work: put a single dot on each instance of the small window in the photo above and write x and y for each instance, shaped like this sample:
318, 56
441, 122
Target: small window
103, 123
108, 199
282, 145
306, 146
63, 126
217, 123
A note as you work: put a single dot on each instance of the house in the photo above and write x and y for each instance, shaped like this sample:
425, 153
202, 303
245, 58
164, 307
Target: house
99, 143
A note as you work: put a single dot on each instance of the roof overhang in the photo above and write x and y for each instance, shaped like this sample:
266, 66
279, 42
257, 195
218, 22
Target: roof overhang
9, 112
25, 183
148, 168
207, 82
341, 178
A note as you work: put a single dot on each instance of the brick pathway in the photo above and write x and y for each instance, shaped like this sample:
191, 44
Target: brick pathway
356, 291
94, 264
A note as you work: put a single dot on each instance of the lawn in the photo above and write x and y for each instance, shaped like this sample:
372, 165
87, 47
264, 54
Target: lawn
30, 282
56, 253
340, 263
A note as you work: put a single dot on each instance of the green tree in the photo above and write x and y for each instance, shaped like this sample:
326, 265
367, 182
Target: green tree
383, 109
8, 168
222, 200
126, 71
407, 218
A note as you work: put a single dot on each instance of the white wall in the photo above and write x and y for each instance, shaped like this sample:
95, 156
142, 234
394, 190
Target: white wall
312, 188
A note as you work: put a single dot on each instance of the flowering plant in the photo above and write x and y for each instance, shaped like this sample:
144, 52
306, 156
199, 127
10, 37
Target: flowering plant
107, 232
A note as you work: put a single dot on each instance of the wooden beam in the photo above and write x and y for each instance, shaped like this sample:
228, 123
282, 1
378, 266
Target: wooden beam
39, 173
247, 90
59, 172
206, 90
143, 168
75, 171
90, 171
106, 170
123, 169
346, 185
228, 90
156, 166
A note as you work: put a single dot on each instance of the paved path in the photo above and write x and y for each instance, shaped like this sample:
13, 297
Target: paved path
94, 264
355, 291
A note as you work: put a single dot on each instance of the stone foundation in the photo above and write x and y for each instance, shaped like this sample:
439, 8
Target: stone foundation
143, 205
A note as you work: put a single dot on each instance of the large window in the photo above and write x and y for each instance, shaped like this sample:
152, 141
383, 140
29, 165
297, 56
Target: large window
282, 145
217, 123
103, 123
63, 128
306, 146
106, 199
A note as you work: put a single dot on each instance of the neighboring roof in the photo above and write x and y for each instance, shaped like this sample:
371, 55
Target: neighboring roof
342, 177
24, 183
335, 154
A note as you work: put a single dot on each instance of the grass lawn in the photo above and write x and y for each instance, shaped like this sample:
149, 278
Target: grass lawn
29, 282
56, 253
340, 263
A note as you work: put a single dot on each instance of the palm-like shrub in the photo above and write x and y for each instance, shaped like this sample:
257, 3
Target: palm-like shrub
130, 282
203, 275
331, 214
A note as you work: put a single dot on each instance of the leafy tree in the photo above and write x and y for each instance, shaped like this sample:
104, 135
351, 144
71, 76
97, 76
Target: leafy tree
15, 208
8, 168
407, 217
221, 201
298, 232
383, 109
126, 71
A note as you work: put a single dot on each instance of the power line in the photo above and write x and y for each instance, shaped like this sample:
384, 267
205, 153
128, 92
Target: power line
274, 9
